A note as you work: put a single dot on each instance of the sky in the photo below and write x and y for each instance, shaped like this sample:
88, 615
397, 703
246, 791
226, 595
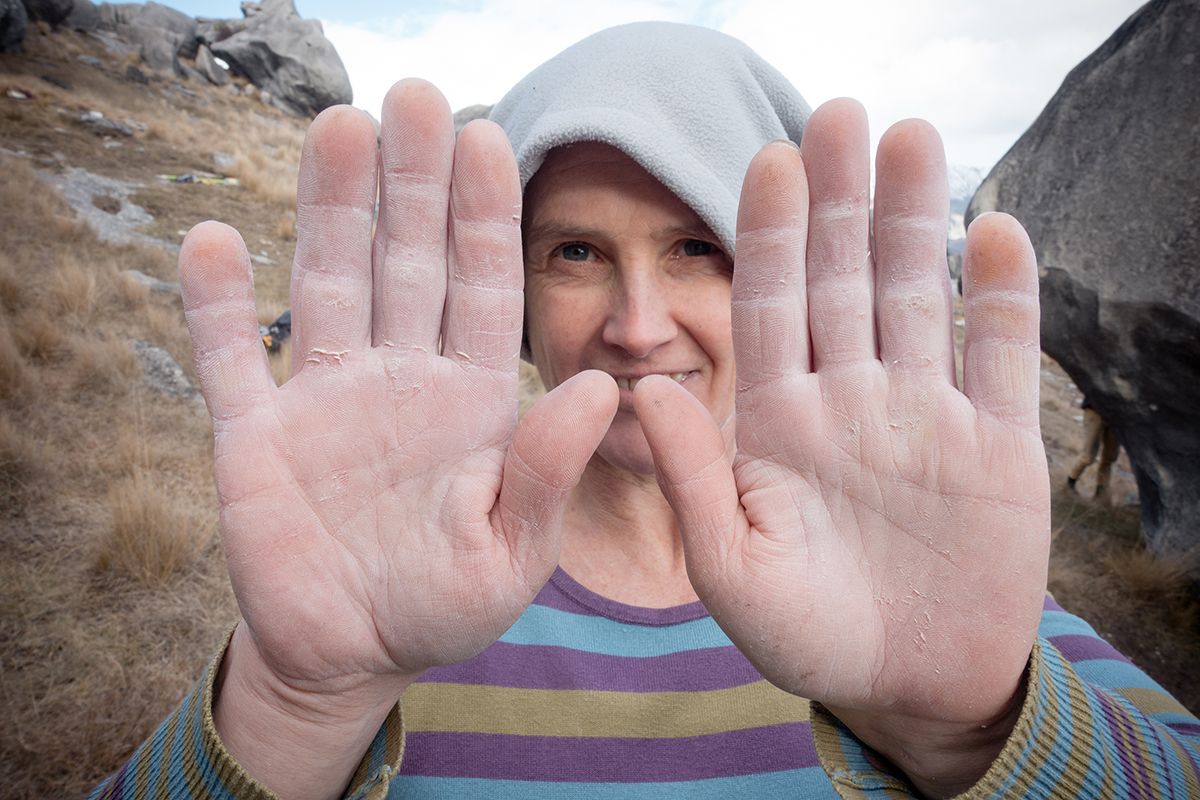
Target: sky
981, 72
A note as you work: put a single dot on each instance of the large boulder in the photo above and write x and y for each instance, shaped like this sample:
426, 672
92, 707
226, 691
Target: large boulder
51, 11
1107, 181
13, 22
206, 65
84, 16
159, 33
288, 57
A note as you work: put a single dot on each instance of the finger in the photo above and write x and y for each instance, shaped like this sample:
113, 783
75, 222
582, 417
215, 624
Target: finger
1001, 351
484, 299
913, 303
335, 207
770, 308
218, 301
836, 151
550, 449
417, 155
693, 470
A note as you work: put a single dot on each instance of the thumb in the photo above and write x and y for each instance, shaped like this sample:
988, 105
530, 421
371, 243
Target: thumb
694, 473
550, 449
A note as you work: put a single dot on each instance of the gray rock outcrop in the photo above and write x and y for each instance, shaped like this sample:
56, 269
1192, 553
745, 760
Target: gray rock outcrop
51, 11
13, 22
1107, 182
84, 16
286, 56
206, 65
159, 33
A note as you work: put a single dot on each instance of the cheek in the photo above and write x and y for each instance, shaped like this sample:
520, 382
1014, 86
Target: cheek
560, 324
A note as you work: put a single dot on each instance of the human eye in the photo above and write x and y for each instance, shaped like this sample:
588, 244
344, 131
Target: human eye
575, 251
698, 248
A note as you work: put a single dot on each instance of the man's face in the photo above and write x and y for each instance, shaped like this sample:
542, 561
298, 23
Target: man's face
623, 277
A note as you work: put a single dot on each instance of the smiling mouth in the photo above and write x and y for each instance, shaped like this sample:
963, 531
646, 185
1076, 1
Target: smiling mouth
629, 383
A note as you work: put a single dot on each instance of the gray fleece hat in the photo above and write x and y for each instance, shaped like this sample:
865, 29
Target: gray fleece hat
689, 104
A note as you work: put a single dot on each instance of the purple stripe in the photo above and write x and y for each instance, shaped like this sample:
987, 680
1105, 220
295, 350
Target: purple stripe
523, 666
1186, 728
1115, 717
564, 593
547, 758
1050, 604
1079, 647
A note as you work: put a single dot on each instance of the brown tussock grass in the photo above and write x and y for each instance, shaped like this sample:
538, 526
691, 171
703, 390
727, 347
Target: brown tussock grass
39, 336
103, 365
150, 540
11, 293
75, 289
1163, 577
21, 461
16, 380
285, 229
260, 173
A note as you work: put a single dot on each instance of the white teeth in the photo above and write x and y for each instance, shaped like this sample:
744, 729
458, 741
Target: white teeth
629, 383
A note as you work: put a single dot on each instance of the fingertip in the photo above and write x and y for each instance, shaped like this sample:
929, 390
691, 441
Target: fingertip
999, 255
775, 190
910, 149
211, 255
843, 109
485, 174
596, 389
408, 90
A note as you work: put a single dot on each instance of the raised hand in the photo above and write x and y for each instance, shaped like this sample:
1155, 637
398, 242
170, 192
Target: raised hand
382, 511
880, 543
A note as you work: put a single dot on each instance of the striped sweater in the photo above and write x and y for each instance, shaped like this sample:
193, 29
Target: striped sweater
588, 698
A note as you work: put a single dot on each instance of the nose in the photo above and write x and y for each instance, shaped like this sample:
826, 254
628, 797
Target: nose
642, 315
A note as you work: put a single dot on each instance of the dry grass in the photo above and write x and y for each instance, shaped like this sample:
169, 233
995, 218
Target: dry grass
21, 462
40, 338
10, 288
103, 365
15, 378
74, 289
260, 172
286, 228
150, 540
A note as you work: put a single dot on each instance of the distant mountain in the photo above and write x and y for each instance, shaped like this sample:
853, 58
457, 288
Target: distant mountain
964, 181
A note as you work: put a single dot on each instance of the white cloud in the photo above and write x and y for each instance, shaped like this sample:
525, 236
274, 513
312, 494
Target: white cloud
981, 72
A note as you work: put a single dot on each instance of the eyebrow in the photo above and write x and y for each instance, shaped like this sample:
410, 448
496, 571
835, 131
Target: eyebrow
554, 229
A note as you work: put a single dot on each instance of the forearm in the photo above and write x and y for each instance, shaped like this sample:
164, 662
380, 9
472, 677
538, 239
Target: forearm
297, 744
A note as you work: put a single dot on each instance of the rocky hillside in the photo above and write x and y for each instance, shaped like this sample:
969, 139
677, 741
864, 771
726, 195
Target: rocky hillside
112, 588
286, 58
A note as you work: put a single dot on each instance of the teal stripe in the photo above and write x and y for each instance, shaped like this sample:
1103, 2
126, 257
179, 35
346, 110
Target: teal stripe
1115, 675
540, 625
797, 783
1061, 623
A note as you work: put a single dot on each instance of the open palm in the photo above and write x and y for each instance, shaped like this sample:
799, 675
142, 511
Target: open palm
382, 511
880, 542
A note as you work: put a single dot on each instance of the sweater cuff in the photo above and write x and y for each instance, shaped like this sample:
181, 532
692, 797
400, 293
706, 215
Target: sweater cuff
370, 780
857, 771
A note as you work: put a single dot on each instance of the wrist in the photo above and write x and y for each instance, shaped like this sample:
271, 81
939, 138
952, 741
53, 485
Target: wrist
939, 758
298, 742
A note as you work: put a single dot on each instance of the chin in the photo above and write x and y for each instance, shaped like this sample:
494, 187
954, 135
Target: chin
625, 447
